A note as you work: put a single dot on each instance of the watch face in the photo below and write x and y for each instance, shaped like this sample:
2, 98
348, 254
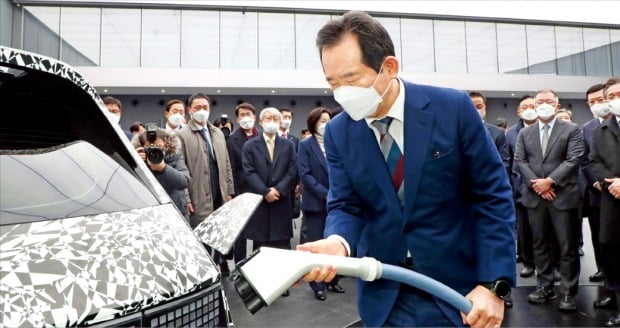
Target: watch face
502, 289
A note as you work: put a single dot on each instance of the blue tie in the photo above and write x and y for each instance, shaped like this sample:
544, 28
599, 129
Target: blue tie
394, 158
204, 135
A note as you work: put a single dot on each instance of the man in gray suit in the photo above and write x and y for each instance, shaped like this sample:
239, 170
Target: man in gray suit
548, 155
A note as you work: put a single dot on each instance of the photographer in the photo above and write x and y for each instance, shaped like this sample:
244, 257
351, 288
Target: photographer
158, 148
225, 125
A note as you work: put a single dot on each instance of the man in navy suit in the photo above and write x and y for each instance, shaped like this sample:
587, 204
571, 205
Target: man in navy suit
443, 208
497, 133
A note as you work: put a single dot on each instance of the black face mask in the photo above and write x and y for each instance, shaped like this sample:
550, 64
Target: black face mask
226, 131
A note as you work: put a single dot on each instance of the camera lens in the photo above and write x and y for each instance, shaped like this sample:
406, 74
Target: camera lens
155, 155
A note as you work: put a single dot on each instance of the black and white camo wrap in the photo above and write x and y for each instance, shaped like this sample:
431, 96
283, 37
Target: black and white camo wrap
220, 229
95, 268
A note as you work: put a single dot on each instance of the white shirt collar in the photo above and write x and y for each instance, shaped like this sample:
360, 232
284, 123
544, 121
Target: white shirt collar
397, 110
551, 124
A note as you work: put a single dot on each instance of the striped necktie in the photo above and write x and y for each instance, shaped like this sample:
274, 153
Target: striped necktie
392, 154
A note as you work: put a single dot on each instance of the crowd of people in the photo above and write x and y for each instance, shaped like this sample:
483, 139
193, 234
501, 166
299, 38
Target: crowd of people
368, 183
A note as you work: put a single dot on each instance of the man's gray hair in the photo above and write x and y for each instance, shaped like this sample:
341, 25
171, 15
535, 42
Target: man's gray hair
271, 110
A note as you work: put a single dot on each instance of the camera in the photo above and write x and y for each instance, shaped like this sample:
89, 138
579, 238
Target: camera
222, 122
154, 154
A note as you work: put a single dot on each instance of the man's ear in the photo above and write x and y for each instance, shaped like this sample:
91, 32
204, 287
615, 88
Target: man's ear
391, 66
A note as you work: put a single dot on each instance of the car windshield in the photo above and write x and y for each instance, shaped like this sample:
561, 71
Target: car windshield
65, 181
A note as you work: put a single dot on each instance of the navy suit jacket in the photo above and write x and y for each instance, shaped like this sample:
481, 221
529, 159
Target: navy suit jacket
313, 174
499, 138
458, 215
586, 176
515, 176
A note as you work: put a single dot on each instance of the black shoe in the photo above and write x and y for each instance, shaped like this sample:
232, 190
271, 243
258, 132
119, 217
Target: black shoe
596, 277
541, 295
286, 293
319, 295
526, 272
336, 288
556, 275
567, 303
508, 302
614, 321
607, 302
581, 253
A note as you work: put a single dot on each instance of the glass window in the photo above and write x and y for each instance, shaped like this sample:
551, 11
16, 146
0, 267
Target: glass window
200, 39
238, 40
569, 49
615, 51
41, 30
541, 49
81, 36
511, 48
306, 29
450, 46
276, 40
481, 47
161, 38
120, 37
6, 22
417, 45
598, 51
392, 25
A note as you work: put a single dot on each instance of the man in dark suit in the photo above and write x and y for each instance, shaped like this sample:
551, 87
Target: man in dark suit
497, 134
590, 188
548, 156
605, 164
442, 207
270, 166
285, 132
246, 118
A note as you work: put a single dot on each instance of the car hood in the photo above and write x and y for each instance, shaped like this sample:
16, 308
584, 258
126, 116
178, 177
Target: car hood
90, 269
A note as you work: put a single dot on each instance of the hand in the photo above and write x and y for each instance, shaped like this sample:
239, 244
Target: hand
190, 208
549, 195
614, 187
597, 186
141, 153
540, 186
297, 191
330, 246
272, 196
487, 309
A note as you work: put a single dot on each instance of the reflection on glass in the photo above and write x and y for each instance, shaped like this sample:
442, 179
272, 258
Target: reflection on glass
392, 25
41, 30
306, 29
276, 41
481, 47
238, 40
450, 46
511, 48
417, 45
200, 39
120, 42
615, 51
541, 49
81, 36
598, 51
161, 38
569, 50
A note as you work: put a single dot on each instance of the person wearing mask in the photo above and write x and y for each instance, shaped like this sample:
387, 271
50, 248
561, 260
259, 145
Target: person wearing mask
565, 115
245, 114
115, 107
605, 165
270, 166
441, 205
548, 155
313, 176
170, 171
206, 157
174, 114
285, 132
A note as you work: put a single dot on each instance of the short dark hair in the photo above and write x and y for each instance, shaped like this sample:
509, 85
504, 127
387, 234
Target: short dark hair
525, 97
109, 100
245, 105
173, 102
135, 126
478, 94
287, 110
303, 131
314, 117
609, 83
374, 40
195, 96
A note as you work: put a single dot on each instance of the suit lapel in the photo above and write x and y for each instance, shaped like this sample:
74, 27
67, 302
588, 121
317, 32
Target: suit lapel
318, 153
418, 128
612, 124
536, 139
555, 133
278, 148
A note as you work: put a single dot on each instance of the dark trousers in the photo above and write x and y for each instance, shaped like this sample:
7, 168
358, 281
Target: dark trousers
240, 249
525, 243
312, 226
594, 219
544, 221
610, 261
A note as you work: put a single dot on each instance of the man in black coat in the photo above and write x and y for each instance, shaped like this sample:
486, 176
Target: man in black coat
605, 164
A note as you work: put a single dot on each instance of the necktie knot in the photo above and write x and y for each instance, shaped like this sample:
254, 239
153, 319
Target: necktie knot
383, 124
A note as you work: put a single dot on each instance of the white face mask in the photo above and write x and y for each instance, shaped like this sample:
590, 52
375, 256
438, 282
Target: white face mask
285, 124
201, 116
176, 120
360, 102
270, 127
529, 115
114, 118
247, 123
545, 111
614, 106
321, 129
600, 110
